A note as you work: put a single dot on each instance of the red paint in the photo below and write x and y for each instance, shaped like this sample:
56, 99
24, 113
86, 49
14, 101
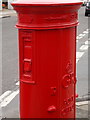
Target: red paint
47, 49
52, 108
77, 95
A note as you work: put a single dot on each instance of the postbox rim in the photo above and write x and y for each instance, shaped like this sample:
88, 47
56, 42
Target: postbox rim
45, 3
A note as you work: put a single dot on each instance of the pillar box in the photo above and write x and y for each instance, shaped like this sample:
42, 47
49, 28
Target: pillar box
47, 54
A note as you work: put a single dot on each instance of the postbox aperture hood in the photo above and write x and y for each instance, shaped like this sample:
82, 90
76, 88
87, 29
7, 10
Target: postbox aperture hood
46, 2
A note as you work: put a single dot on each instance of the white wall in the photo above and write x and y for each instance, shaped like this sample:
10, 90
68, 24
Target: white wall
9, 4
0, 4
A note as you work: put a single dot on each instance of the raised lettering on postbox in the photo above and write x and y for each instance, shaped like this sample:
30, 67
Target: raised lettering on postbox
68, 78
67, 110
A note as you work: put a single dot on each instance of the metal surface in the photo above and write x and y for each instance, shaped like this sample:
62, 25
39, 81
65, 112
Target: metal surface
46, 2
47, 42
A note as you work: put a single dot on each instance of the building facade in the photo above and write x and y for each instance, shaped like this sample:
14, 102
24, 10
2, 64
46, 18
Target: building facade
0, 4
6, 2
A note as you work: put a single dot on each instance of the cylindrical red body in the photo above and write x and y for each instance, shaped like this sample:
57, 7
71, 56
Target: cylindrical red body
47, 44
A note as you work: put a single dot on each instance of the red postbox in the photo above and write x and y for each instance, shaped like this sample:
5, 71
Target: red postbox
47, 49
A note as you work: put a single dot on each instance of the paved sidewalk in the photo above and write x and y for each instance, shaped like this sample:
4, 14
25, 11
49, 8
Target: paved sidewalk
83, 110
7, 13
